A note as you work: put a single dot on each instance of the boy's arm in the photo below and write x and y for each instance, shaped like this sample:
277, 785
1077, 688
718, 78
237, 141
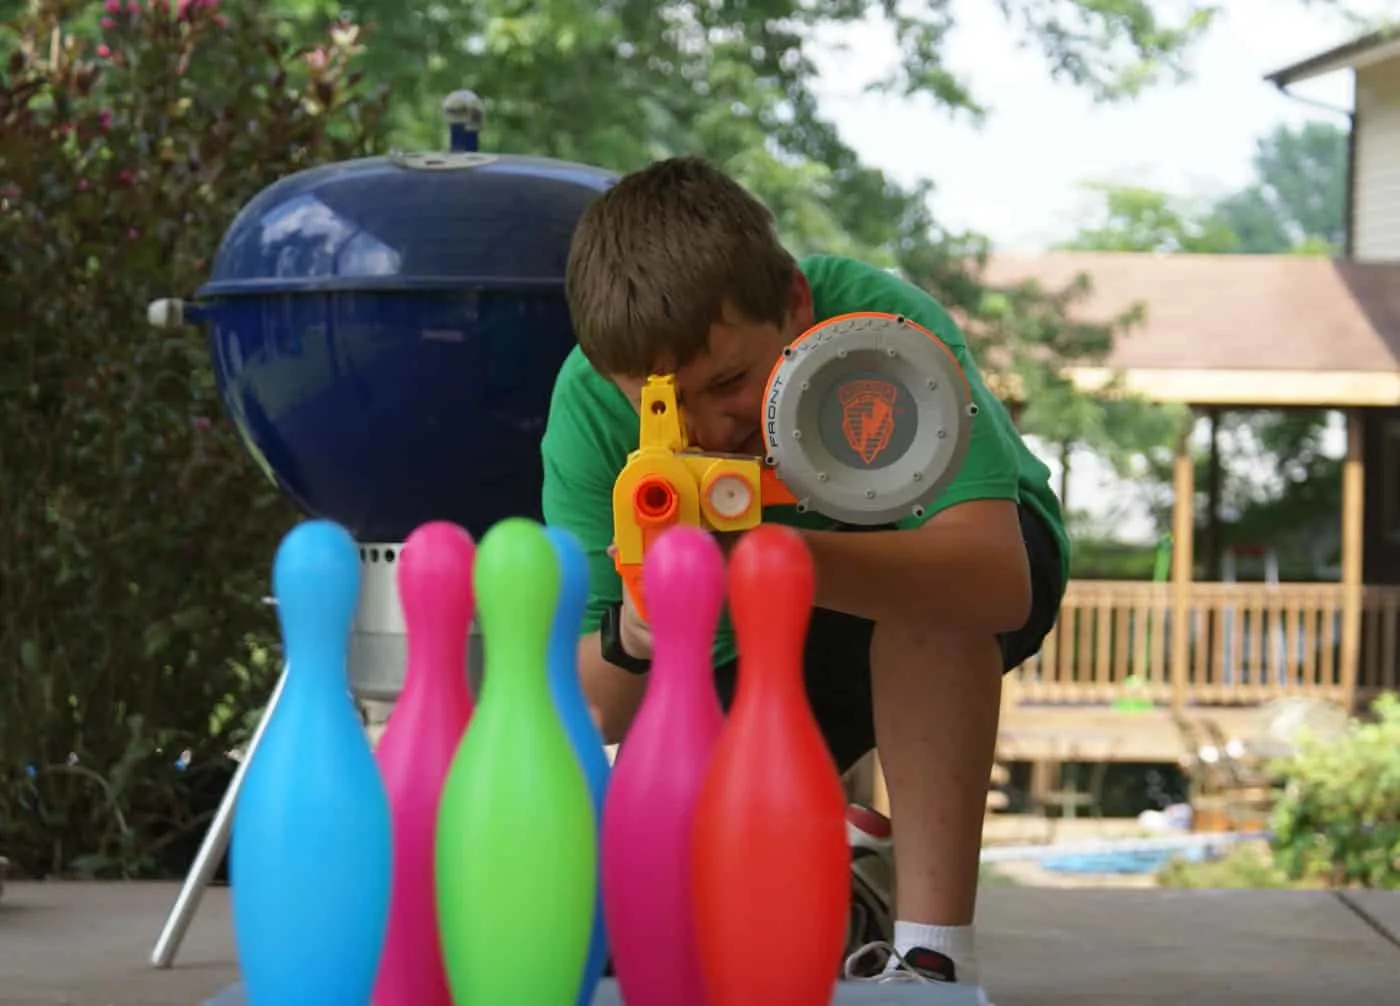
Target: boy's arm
964, 568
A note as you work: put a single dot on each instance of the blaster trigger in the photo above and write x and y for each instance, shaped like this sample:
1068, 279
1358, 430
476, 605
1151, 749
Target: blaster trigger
631, 574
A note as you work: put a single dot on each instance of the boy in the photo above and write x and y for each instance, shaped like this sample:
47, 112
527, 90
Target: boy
677, 269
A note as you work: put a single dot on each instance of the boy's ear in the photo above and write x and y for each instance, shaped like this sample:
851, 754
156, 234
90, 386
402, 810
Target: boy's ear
799, 302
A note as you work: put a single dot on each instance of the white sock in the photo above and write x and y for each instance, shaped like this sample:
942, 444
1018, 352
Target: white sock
955, 942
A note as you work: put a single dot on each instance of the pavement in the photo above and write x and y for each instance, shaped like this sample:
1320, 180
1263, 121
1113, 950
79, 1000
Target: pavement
88, 944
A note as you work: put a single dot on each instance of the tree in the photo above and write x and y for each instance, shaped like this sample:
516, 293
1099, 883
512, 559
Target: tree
621, 82
1133, 219
1297, 202
137, 530
1030, 323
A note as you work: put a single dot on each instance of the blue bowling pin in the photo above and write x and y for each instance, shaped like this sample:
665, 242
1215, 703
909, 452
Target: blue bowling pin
572, 707
310, 856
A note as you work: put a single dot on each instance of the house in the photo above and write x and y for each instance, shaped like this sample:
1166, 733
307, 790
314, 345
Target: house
1373, 205
1373, 236
1242, 332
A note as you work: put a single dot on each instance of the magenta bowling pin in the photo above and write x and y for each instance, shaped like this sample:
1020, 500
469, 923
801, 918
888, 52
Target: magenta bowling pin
416, 750
646, 834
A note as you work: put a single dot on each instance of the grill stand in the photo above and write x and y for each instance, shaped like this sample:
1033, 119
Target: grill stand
377, 654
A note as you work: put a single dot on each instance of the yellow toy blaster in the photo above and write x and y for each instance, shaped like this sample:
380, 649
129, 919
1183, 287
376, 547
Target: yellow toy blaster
867, 418
667, 482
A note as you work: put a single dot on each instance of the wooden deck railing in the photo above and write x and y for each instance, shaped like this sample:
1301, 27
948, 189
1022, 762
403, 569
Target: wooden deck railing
1247, 643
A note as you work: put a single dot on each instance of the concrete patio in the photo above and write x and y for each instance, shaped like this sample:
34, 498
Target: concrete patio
69, 944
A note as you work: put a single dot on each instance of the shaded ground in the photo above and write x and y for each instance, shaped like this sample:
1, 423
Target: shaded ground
88, 944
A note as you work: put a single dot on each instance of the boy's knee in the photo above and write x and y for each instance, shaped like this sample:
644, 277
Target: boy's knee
914, 647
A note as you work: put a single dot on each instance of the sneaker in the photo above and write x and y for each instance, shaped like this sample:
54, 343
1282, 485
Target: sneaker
879, 963
872, 878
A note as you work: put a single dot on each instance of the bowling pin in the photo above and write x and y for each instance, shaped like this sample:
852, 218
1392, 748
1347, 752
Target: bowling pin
649, 815
770, 855
435, 590
310, 855
516, 847
573, 711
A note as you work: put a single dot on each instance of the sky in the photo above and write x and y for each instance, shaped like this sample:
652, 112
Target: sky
1018, 177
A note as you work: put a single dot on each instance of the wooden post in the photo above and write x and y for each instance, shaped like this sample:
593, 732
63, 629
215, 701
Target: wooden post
1353, 517
1183, 553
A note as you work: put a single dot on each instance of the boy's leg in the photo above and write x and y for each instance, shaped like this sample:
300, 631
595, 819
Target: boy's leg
933, 701
937, 698
837, 671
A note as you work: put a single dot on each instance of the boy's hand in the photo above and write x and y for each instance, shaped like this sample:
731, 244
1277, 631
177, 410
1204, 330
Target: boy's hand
727, 540
633, 632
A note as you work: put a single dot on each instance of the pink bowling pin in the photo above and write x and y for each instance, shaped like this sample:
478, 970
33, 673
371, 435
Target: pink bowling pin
419, 742
646, 833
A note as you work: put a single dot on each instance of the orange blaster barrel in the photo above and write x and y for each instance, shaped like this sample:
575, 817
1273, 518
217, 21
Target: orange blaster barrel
667, 482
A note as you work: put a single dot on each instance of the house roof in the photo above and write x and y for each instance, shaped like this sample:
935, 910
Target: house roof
1373, 47
1238, 329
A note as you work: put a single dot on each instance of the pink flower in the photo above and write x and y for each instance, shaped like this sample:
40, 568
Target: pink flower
104, 52
108, 24
104, 119
133, 233
113, 6
83, 185
220, 21
316, 58
183, 8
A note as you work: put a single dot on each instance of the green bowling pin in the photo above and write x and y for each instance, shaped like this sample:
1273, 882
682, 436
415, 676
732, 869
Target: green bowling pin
516, 840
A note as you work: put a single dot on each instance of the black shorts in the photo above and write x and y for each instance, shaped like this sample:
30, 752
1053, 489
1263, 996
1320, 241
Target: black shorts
837, 655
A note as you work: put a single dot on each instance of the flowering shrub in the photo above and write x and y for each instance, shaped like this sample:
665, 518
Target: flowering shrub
1337, 820
135, 533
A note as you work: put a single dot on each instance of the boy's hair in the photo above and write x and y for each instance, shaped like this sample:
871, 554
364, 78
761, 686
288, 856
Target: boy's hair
655, 259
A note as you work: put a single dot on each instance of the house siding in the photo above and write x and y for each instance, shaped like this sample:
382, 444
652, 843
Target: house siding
1377, 166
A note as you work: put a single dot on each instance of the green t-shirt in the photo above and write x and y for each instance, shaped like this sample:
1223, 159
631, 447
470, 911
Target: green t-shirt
592, 428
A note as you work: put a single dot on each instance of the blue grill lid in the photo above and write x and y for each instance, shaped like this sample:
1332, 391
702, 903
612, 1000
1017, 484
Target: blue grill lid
455, 220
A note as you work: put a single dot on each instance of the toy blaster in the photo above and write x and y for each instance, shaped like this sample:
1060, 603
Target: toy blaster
667, 482
867, 418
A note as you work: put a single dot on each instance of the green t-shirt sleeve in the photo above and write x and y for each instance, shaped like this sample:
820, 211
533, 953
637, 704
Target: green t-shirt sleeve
991, 468
577, 490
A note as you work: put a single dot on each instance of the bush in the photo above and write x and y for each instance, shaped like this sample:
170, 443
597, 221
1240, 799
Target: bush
1338, 818
137, 533
1095, 558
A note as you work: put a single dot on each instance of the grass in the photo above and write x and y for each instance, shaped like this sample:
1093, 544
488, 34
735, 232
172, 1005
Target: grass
1247, 866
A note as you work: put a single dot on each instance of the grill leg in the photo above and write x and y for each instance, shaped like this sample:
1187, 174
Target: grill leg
206, 861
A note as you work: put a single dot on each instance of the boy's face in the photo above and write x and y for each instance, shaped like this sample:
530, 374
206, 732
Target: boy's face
721, 391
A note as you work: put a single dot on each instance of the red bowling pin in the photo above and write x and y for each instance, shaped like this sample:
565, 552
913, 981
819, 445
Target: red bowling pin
770, 855
649, 810
419, 742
